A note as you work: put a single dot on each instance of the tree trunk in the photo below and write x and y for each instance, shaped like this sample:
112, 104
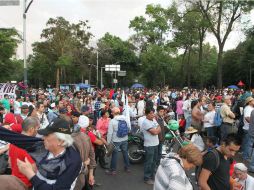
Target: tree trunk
189, 69
219, 67
57, 77
200, 57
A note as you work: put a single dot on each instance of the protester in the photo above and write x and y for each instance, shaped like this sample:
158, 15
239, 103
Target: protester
118, 135
171, 172
62, 163
103, 123
249, 102
29, 128
160, 120
227, 117
41, 115
243, 181
150, 129
6, 103
215, 169
209, 120
251, 142
197, 114
187, 110
84, 145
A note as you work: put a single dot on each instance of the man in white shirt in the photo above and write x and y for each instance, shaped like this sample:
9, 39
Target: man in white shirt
17, 105
249, 102
150, 129
187, 110
209, 120
141, 106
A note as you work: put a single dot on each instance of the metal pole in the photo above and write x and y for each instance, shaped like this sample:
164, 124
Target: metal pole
24, 42
250, 75
101, 77
97, 69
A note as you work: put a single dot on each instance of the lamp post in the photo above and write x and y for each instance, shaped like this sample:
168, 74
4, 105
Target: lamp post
25, 10
102, 77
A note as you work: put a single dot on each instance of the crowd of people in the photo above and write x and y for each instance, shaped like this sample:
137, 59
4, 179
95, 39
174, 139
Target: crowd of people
56, 139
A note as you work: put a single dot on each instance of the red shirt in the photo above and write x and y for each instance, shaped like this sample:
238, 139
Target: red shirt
18, 153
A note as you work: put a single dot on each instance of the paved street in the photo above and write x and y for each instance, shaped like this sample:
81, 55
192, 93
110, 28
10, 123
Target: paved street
130, 181
123, 181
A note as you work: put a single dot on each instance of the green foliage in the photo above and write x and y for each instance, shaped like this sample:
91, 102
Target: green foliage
11, 69
64, 53
113, 50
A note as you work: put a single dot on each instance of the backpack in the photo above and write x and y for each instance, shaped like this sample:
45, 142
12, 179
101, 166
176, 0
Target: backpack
123, 129
217, 119
217, 158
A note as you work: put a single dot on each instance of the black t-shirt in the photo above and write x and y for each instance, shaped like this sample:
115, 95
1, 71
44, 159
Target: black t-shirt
219, 179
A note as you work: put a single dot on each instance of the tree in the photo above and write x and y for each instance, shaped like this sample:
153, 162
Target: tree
221, 16
152, 29
64, 52
11, 69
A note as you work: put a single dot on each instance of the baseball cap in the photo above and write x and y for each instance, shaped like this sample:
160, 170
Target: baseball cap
57, 125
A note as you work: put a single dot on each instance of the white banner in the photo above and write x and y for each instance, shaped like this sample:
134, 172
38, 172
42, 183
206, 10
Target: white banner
8, 88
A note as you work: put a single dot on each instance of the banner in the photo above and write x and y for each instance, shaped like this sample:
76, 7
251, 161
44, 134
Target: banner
8, 88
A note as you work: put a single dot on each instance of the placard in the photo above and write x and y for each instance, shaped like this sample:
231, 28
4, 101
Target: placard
8, 88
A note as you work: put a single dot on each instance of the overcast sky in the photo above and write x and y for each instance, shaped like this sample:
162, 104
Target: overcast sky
111, 16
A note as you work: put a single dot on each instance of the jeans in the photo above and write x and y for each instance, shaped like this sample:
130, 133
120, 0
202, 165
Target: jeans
123, 146
245, 145
187, 117
151, 154
159, 153
210, 131
224, 131
251, 142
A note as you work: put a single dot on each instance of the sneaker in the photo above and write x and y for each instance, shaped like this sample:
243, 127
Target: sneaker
149, 182
110, 172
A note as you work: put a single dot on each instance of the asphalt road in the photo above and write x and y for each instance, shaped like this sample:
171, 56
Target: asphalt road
123, 180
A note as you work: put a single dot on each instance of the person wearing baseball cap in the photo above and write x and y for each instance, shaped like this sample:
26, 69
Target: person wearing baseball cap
60, 157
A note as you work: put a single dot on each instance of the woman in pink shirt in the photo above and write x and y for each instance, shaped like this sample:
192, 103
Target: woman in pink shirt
179, 106
102, 123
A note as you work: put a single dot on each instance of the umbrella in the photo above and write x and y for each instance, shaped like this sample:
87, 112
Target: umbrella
233, 87
240, 83
137, 85
83, 85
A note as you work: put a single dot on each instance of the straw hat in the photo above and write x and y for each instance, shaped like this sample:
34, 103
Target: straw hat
249, 99
191, 130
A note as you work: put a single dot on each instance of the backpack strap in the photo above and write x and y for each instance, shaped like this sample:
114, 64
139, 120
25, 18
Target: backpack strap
178, 160
174, 158
217, 158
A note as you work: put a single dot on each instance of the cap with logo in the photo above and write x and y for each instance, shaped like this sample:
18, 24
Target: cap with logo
57, 125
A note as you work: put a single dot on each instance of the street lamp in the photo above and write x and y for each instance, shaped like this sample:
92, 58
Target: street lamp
97, 64
25, 10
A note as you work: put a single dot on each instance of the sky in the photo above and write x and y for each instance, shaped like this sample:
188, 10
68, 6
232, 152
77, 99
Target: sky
111, 16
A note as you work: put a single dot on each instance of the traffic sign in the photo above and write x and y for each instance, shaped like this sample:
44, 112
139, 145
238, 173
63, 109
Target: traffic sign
121, 73
9, 2
112, 67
